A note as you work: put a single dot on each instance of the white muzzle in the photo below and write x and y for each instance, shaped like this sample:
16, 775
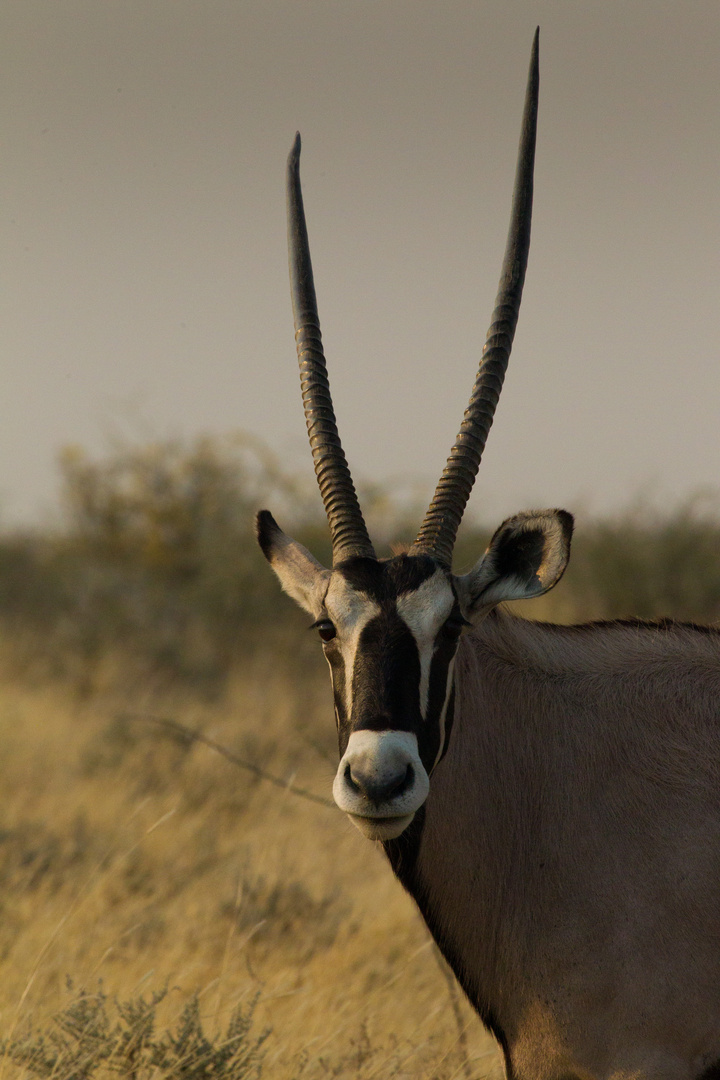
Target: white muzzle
381, 782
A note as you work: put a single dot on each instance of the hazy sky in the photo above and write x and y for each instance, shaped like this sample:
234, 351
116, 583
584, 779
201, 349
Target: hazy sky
144, 268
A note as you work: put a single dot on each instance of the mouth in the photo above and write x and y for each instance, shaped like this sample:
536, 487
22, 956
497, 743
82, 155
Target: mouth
381, 828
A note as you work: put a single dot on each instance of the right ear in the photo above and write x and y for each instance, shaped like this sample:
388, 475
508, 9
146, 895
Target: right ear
301, 575
526, 557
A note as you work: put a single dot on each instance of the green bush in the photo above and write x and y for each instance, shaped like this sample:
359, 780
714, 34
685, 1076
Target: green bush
643, 564
156, 562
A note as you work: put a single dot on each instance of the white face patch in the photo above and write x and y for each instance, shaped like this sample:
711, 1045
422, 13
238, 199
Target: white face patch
350, 611
423, 611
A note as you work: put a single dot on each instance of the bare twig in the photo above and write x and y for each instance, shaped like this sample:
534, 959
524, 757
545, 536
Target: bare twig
197, 736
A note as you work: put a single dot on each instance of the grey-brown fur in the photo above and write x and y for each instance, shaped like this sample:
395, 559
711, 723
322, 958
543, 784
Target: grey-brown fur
565, 851
569, 860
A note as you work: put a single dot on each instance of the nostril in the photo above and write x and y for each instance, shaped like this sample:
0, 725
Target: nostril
402, 784
380, 775
350, 779
379, 789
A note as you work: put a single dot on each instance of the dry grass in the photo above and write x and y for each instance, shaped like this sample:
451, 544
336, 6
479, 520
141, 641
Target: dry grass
137, 864
193, 906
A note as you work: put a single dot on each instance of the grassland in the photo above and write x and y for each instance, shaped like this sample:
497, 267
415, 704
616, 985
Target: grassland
163, 911
133, 862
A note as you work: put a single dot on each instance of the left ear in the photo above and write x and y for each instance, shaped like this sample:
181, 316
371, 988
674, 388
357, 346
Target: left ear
526, 557
301, 575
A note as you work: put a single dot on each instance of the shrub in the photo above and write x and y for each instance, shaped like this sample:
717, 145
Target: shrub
92, 1035
156, 564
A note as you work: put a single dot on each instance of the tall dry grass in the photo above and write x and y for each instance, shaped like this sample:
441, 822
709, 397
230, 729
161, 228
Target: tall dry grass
134, 862
164, 913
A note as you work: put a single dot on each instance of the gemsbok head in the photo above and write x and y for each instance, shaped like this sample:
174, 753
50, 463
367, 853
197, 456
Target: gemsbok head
550, 796
390, 627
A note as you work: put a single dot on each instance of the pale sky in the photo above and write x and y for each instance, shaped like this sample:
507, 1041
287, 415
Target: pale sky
144, 264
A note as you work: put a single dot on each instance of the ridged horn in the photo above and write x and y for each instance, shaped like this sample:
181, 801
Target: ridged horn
442, 520
347, 526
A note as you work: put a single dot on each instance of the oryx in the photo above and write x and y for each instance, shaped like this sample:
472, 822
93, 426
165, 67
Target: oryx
550, 796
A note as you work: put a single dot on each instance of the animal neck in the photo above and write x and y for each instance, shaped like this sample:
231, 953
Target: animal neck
470, 857
513, 859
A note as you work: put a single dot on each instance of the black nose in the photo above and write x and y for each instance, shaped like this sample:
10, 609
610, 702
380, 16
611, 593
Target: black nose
379, 789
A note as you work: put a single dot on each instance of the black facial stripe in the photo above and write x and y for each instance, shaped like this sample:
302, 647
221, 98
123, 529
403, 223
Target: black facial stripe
438, 686
386, 684
383, 581
449, 717
386, 676
445, 649
386, 679
337, 675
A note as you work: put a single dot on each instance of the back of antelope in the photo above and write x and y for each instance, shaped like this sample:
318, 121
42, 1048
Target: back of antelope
550, 796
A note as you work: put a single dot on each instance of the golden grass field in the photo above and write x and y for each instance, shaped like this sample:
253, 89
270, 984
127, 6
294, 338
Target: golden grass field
134, 862
153, 894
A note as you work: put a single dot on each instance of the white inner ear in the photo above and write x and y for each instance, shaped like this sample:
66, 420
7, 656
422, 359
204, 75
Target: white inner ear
423, 611
350, 611
301, 575
482, 587
508, 588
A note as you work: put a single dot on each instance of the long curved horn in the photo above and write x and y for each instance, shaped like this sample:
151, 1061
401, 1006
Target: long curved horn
349, 533
439, 529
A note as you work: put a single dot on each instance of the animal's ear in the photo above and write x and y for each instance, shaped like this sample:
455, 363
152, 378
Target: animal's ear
300, 574
526, 557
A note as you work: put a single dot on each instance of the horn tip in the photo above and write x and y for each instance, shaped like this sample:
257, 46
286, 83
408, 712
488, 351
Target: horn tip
293, 162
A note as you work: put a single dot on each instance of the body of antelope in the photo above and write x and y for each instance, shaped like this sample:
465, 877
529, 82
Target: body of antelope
550, 796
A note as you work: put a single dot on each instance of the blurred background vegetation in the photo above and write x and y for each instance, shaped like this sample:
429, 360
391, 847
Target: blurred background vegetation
167, 915
153, 560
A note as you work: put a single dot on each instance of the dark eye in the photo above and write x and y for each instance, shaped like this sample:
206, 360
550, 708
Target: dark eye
325, 629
